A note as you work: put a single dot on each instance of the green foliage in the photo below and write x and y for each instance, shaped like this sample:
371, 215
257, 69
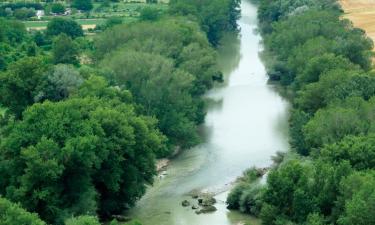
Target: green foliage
18, 84
315, 219
23, 13
82, 220
331, 124
357, 199
77, 157
11, 214
246, 195
12, 32
160, 89
149, 13
59, 83
65, 50
288, 191
358, 151
169, 65
85, 5
57, 8
214, 16
62, 25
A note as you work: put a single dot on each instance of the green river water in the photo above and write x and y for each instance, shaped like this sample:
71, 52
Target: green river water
246, 124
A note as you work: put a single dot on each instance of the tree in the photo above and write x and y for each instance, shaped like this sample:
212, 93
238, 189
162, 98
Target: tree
298, 119
85, 5
320, 94
358, 151
357, 199
77, 157
58, 8
214, 16
62, 25
322, 64
24, 13
65, 50
149, 13
18, 84
59, 83
11, 213
288, 193
329, 125
12, 31
162, 91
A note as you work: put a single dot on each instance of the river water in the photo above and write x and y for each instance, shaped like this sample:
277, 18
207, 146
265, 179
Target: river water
246, 124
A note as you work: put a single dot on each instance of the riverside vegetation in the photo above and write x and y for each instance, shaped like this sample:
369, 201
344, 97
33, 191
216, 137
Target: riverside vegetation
325, 64
84, 118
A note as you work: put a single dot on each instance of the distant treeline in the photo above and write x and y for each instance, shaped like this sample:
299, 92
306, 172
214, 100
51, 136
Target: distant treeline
19, 5
86, 117
326, 65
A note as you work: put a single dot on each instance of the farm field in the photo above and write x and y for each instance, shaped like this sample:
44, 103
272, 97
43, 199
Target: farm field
97, 16
85, 23
361, 13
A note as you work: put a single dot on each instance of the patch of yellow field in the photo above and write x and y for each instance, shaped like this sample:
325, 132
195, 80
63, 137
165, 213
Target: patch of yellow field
84, 27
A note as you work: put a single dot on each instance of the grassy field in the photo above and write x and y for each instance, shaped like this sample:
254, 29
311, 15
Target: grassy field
86, 23
128, 11
361, 13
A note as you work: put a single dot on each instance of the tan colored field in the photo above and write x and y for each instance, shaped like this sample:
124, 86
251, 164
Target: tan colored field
361, 13
84, 27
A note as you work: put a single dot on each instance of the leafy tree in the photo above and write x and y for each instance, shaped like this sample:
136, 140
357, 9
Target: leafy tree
85, 5
18, 84
161, 90
11, 213
356, 150
214, 16
12, 32
149, 13
24, 13
360, 86
297, 121
62, 25
329, 125
59, 83
315, 219
320, 65
78, 157
57, 8
357, 199
320, 94
288, 193
65, 50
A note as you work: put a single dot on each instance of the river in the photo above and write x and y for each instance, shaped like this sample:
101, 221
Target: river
245, 125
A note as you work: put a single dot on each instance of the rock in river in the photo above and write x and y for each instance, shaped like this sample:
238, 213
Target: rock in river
206, 209
185, 203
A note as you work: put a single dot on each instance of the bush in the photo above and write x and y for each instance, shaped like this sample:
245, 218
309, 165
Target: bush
62, 25
12, 214
57, 8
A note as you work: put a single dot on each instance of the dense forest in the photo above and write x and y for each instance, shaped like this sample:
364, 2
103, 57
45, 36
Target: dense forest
83, 118
326, 66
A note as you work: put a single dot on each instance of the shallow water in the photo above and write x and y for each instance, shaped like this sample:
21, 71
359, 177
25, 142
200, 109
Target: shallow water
245, 125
